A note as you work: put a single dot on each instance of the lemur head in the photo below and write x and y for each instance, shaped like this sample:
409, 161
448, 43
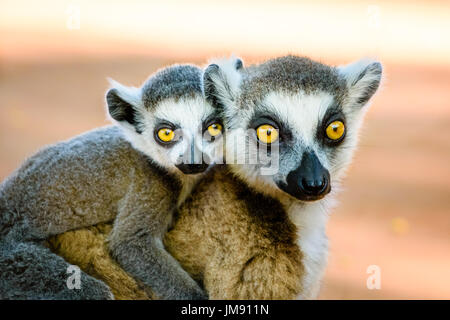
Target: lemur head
168, 119
304, 115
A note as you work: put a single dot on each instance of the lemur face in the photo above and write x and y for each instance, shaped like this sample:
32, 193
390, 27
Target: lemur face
169, 120
301, 117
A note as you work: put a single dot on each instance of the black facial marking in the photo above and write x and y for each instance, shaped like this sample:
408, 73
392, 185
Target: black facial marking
162, 124
333, 113
266, 117
205, 133
211, 119
120, 110
261, 120
239, 65
310, 181
192, 168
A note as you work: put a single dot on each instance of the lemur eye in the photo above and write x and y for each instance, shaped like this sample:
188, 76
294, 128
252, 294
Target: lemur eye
215, 129
166, 134
267, 133
335, 130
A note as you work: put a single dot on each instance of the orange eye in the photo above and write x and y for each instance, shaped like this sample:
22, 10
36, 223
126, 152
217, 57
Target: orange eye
267, 133
335, 130
215, 129
166, 134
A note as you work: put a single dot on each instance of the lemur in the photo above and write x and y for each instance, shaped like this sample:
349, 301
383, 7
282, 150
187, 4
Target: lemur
243, 234
134, 173
261, 235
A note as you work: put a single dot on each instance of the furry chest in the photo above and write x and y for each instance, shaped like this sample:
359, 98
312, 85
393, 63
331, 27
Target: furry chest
312, 241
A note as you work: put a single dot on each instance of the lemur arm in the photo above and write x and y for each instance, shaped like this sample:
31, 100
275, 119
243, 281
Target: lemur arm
135, 242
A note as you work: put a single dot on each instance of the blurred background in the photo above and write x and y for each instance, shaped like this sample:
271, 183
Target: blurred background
394, 212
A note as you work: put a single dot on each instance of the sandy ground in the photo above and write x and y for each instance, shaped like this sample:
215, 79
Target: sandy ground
394, 211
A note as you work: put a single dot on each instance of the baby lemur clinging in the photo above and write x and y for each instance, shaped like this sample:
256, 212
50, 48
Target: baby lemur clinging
134, 172
253, 234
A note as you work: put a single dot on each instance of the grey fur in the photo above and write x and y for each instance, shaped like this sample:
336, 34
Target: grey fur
289, 74
95, 177
31, 271
175, 82
300, 97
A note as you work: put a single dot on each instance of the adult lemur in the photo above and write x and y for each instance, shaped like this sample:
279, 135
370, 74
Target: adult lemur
249, 235
260, 235
133, 172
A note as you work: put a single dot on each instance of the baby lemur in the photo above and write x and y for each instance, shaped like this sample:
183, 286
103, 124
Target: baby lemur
251, 233
135, 173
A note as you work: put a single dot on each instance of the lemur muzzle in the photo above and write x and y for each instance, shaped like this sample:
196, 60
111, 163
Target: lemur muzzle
194, 161
310, 181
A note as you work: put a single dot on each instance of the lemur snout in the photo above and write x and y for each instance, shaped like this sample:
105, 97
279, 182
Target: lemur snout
192, 168
314, 187
193, 161
196, 162
310, 181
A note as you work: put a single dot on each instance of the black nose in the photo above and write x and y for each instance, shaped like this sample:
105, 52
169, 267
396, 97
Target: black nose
310, 181
193, 161
314, 187
192, 168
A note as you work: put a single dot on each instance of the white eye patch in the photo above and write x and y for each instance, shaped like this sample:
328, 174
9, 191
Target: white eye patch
187, 117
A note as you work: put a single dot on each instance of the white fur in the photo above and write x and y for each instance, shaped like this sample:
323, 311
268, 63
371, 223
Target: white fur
310, 220
304, 113
227, 82
228, 67
132, 95
187, 113
352, 72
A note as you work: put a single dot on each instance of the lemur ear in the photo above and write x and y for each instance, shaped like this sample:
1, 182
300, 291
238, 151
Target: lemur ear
221, 81
363, 80
123, 105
